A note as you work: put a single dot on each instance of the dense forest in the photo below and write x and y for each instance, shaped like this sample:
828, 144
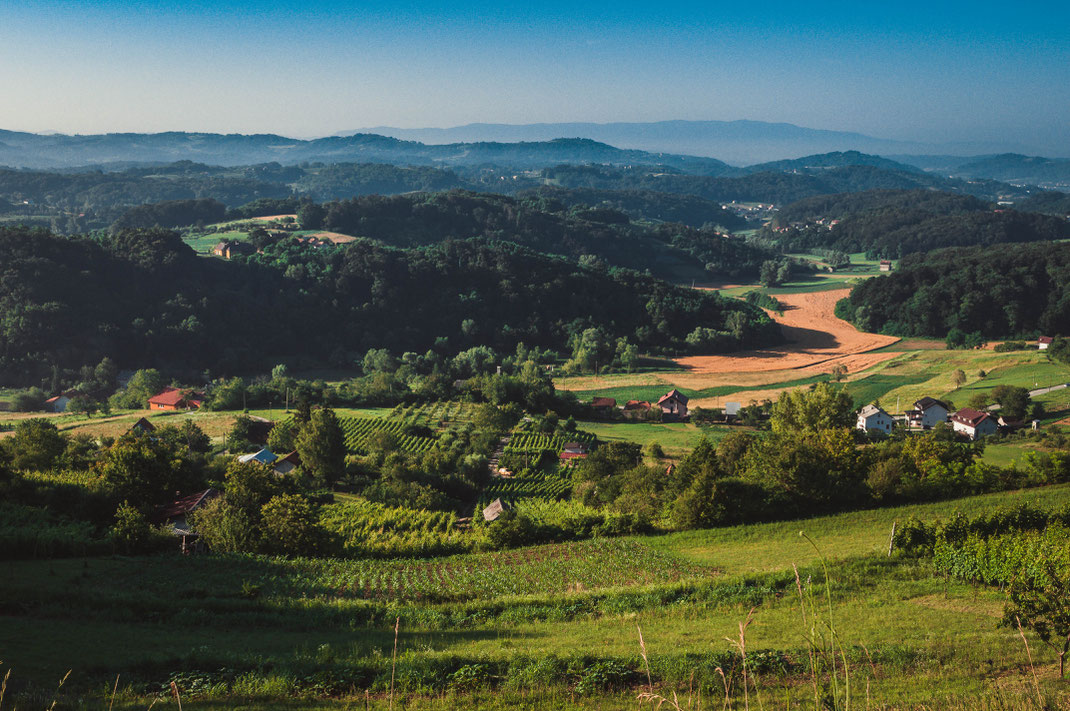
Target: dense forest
142, 298
545, 224
768, 186
891, 224
646, 204
996, 292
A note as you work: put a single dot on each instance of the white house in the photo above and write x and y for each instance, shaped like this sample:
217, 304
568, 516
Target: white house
873, 419
1044, 342
927, 413
57, 404
974, 423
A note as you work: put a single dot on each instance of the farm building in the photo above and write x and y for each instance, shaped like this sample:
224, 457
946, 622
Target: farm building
636, 408
58, 403
886, 265
175, 513
264, 456
603, 403
142, 426
974, 423
494, 510
927, 413
176, 399
287, 463
1044, 342
874, 419
673, 406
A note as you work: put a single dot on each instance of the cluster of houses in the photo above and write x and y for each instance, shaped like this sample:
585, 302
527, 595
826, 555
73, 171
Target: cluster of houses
928, 413
673, 407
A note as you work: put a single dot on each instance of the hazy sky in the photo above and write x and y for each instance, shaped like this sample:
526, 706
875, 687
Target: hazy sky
926, 71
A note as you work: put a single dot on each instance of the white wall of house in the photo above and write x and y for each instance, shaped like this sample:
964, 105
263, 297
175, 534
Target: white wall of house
877, 421
984, 428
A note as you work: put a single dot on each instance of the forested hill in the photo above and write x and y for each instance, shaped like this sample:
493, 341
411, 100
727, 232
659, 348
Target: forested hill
769, 186
999, 291
645, 204
545, 224
30, 150
891, 224
144, 299
837, 159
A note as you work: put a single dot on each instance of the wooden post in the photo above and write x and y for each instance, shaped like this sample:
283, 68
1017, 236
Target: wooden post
891, 540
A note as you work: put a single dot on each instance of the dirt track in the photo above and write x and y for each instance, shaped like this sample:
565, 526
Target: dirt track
816, 341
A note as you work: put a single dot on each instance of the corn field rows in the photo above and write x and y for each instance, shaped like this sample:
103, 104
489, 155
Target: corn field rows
550, 569
358, 430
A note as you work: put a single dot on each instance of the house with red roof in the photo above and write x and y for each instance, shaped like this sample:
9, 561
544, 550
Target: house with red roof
1044, 343
176, 399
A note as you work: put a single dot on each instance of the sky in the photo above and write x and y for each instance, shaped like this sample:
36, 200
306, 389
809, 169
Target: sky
919, 71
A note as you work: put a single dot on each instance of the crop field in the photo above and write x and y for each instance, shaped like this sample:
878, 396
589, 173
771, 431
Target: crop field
297, 628
540, 485
535, 443
676, 438
541, 570
360, 430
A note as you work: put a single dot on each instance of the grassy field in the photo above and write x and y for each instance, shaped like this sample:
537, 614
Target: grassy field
270, 630
676, 438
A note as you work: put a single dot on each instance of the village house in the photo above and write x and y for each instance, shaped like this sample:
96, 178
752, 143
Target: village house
286, 463
176, 399
927, 413
673, 406
60, 402
175, 515
603, 404
974, 423
571, 452
886, 265
141, 427
874, 419
1044, 342
636, 409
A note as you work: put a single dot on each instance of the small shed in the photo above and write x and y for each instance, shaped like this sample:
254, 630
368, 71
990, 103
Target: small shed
494, 510
603, 403
1044, 342
175, 514
142, 426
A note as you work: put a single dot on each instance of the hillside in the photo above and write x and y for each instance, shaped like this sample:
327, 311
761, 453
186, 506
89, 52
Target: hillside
144, 299
891, 224
577, 232
997, 291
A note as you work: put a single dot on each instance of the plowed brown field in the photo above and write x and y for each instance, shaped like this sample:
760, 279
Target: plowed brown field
816, 339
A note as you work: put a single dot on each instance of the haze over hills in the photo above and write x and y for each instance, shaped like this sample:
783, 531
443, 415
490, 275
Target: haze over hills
29, 150
737, 142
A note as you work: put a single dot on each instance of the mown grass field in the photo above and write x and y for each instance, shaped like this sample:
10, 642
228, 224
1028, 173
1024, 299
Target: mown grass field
274, 623
676, 438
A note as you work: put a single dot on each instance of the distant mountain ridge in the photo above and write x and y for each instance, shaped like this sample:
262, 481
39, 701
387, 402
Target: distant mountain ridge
741, 142
28, 150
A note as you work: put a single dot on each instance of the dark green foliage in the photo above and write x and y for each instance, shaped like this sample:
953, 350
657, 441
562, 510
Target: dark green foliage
1049, 203
641, 205
891, 224
36, 445
995, 292
172, 213
321, 445
543, 225
144, 298
144, 471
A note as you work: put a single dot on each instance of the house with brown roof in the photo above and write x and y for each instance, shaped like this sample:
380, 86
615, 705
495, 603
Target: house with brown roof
886, 265
635, 409
1044, 343
604, 404
176, 513
974, 423
176, 399
142, 426
673, 406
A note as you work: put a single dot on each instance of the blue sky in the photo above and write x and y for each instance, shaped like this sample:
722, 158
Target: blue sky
908, 70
